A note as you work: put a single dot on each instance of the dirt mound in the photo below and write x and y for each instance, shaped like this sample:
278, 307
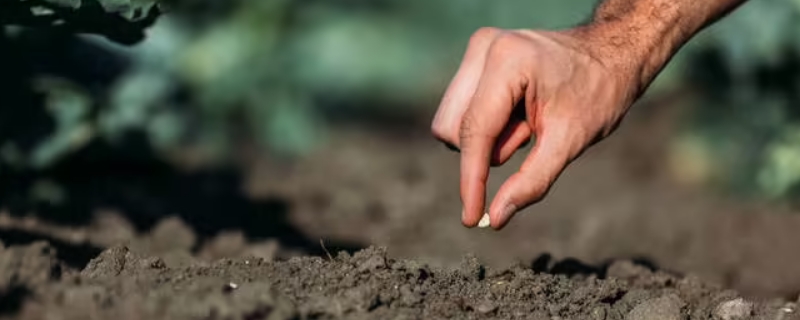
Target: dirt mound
122, 284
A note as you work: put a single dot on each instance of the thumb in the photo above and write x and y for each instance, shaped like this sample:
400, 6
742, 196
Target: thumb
547, 159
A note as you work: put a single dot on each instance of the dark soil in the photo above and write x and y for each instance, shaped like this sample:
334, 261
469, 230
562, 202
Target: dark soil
122, 284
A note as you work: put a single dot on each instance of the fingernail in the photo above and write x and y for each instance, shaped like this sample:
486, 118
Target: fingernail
464, 218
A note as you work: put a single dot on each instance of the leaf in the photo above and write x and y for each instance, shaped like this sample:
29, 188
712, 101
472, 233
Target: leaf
122, 21
73, 4
70, 106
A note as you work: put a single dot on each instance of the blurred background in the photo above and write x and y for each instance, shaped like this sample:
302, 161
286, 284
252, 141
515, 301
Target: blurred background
304, 125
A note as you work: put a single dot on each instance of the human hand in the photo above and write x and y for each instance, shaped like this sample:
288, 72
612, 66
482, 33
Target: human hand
558, 88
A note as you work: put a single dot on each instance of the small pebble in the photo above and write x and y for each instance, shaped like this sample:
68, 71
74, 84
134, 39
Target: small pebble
486, 307
485, 222
667, 307
787, 312
373, 263
734, 309
599, 313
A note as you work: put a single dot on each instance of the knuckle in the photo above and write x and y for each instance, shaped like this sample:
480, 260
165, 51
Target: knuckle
533, 195
483, 35
506, 44
468, 129
534, 189
444, 133
440, 133
539, 192
467, 124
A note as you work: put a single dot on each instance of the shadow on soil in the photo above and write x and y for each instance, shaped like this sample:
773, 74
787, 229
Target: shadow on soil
74, 255
146, 190
573, 267
11, 300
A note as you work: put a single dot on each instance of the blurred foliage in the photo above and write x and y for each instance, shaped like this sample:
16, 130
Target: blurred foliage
743, 128
211, 73
119, 20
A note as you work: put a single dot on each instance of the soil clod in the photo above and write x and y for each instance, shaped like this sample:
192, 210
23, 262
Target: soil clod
668, 307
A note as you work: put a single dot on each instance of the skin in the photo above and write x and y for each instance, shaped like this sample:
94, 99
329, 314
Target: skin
564, 89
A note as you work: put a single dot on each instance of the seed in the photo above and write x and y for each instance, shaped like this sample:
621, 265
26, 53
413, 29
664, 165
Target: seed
484, 221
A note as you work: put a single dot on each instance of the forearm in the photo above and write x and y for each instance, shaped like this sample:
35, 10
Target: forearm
640, 36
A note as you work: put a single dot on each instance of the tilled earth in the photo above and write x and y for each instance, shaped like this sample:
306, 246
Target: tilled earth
123, 284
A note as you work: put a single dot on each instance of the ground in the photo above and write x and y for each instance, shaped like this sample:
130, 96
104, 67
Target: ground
368, 227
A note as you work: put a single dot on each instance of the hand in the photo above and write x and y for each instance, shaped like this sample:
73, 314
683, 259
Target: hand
513, 86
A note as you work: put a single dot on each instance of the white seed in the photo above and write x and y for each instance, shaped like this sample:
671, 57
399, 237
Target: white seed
484, 221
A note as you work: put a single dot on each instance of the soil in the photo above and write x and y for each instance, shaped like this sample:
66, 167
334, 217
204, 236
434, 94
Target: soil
368, 228
122, 284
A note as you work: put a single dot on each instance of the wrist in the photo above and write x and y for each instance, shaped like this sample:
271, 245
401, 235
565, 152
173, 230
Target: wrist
636, 45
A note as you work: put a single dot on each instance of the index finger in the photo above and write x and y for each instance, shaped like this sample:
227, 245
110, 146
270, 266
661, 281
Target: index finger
489, 112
